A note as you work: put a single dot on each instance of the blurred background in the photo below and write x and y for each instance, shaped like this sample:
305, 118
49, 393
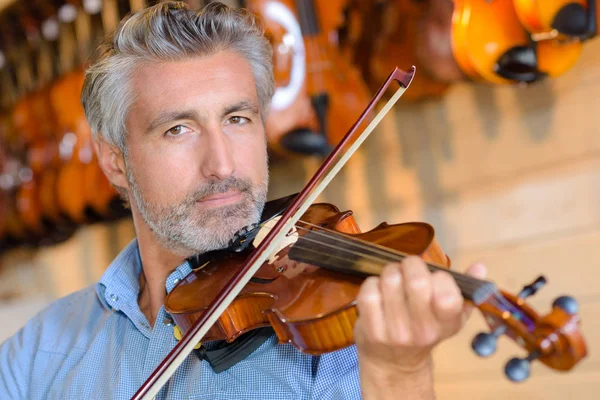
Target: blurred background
496, 144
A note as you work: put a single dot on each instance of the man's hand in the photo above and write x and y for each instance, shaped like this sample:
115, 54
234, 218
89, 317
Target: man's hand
403, 314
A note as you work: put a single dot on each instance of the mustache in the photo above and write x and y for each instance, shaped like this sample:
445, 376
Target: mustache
221, 186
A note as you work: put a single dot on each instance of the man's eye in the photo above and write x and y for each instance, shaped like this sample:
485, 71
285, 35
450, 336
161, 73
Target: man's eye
176, 130
238, 120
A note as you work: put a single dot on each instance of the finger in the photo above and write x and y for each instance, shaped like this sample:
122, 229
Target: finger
370, 310
418, 286
447, 302
394, 304
479, 271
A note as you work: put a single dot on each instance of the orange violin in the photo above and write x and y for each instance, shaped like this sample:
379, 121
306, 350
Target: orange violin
574, 18
491, 43
84, 192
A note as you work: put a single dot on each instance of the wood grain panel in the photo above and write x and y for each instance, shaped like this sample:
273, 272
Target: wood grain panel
581, 386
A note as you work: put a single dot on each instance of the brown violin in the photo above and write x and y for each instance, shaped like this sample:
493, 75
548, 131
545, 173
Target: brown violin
84, 192
292, 125
300, 269
307, 291
337, 91
387, 33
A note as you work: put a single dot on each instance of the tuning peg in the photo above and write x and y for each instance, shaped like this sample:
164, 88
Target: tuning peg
517, 369
484, 344
532, 288
567, 303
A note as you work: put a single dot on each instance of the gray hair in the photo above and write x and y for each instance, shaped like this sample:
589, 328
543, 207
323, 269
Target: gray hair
168, 31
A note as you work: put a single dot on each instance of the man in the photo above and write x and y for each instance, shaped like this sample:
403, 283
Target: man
176, 102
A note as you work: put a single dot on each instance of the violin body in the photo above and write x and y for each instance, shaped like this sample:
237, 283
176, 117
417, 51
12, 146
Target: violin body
338, 92
409, 35
295, 297
568, 17
433, 42
490, 44
13, 228
292, 117
84, 193
317, 90
556, 56
44, 161
28, 200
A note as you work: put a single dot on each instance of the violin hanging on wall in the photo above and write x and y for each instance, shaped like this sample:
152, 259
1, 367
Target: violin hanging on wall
573, 18
508, 41
292, 125
311, 70
490, 44
379, 35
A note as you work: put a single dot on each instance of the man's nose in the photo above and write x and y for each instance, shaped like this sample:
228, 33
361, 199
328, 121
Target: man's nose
218, 162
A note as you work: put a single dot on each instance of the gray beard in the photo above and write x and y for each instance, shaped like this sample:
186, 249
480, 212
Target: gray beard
186, 230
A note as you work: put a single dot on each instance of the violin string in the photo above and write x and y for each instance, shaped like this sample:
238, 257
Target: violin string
493, 301
466, 281
379, 261
497, 297
390, 256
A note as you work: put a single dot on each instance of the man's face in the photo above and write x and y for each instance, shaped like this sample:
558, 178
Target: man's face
197, 161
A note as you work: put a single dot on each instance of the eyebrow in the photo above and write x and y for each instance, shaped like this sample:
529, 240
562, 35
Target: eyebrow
169, 116
244, 105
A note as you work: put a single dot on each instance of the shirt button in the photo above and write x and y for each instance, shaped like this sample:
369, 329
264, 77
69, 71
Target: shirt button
176, 281
114, 297
168, 321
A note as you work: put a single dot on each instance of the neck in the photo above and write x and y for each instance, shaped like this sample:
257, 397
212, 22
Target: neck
338, 252
157, 264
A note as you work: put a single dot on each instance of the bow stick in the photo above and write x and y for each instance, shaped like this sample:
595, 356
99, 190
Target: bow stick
332, 165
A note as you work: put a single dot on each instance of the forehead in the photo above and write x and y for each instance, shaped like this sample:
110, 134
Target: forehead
204, 82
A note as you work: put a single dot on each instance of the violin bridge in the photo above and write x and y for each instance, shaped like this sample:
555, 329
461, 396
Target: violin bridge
288, 240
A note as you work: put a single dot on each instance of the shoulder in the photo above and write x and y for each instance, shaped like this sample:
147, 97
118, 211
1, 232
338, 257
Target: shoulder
58, 327
51, 334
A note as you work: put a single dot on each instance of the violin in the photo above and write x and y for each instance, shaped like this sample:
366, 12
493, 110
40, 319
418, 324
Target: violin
490, 44
337, 91
33, 131
573, 18
15, 230
292, 125
559, 28
433, 43
300, 268
84, 192
398, 37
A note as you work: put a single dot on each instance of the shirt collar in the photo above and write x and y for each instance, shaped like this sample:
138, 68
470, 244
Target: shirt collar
119, 285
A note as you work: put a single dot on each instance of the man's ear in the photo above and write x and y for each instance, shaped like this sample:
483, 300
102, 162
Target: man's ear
112, 163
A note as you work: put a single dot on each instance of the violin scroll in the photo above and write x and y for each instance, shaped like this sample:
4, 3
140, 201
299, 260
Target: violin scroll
554, 339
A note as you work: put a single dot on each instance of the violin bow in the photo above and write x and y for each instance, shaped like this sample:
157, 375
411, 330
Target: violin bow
332, 165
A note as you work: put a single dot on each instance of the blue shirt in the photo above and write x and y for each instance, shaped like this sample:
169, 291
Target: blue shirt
97, 344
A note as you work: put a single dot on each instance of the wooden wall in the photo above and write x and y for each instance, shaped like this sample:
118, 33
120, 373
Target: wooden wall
506, 175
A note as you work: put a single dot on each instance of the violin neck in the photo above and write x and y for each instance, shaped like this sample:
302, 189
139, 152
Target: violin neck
309, 23
342, 253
